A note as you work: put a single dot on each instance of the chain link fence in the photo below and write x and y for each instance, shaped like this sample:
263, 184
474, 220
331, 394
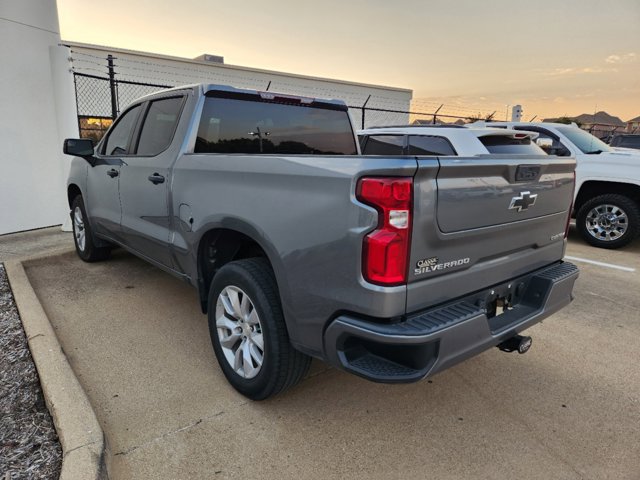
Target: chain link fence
100, 99
103, 94
604, 131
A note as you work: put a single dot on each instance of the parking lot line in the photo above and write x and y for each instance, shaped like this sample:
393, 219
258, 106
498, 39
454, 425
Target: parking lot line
600, 264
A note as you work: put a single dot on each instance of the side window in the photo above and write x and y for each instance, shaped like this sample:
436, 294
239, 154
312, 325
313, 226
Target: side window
362, 140
550, 144
428, 145
118, 139
159, 126
384, 145
505, 144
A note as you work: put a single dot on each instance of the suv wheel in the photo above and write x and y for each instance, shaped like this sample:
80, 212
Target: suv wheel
609, 221
83, 235
248, 331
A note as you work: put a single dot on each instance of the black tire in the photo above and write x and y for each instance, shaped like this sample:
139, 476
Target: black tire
282, 365
585, 219
87, 251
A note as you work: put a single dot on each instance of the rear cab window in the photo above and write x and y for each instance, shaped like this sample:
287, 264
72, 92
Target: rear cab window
383, 145
505, 144
244, 123
430, 145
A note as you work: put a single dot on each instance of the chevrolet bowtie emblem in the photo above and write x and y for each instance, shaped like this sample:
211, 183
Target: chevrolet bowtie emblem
523, 201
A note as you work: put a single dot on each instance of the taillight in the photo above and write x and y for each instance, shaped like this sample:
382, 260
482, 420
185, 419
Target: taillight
386, 249
573, 192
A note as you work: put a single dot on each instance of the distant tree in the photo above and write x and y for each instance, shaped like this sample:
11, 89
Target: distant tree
478, 117
566, 120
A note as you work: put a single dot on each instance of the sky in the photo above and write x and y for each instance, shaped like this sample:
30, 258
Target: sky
554, 57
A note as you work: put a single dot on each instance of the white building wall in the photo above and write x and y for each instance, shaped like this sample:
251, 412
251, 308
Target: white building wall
31, 127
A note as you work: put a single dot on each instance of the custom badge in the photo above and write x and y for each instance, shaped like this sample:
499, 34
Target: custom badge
429, 265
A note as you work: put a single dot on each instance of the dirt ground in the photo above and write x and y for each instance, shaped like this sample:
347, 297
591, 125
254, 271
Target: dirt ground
29, 447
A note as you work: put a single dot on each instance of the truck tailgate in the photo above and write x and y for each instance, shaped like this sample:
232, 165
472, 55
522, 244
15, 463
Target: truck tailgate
485, 191
482, 220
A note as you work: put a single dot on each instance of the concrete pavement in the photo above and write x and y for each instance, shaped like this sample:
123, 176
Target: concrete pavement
34, 242
139, 345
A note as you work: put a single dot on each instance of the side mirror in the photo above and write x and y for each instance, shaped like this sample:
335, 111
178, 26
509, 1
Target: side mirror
544, 143
79, 147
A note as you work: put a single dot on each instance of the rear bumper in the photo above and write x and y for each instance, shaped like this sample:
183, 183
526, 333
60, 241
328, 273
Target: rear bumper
430, 341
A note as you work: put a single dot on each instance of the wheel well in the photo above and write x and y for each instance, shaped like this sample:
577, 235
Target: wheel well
72, 192
591, 189
217, 248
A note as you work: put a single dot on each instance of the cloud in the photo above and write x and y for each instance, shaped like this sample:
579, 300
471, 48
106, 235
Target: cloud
585, 95
624, 58
557, 72
560, 71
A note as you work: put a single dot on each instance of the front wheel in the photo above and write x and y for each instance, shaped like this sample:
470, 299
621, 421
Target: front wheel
83, 235
609, 221
248, 331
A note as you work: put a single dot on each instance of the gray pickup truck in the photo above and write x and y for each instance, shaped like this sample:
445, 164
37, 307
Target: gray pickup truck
392, 267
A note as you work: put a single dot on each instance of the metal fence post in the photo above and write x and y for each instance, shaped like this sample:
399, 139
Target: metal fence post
364, 109
435, 114
112, 87
75, 89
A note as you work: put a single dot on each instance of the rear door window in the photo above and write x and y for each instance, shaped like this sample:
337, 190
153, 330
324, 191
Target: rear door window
159, 125
249, 124
430, 145
549, 142
384, 145
118, 140
509, 145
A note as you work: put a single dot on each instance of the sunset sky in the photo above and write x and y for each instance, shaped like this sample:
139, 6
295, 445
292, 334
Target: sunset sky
554, 57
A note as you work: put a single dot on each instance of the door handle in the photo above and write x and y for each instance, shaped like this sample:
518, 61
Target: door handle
113, 173
156, 178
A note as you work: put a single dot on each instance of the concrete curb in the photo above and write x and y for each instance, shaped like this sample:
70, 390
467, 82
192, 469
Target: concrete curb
80, 433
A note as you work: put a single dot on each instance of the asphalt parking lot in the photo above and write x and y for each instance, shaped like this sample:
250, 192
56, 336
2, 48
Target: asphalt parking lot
568, 409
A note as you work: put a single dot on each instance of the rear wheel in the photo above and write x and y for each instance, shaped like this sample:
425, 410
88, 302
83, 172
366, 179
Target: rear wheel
248, 331
83, 235
609, 221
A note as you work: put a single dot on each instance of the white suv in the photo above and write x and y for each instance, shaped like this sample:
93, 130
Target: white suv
607, 196
446, 140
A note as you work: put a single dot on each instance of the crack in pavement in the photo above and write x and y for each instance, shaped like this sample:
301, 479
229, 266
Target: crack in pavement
168, 434
309, 377
81, 446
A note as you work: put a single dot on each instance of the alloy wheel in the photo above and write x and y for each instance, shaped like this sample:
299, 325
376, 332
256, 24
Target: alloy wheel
78, 229
607, 222
239, 332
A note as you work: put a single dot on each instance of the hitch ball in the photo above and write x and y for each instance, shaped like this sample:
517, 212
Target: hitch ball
517, 343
